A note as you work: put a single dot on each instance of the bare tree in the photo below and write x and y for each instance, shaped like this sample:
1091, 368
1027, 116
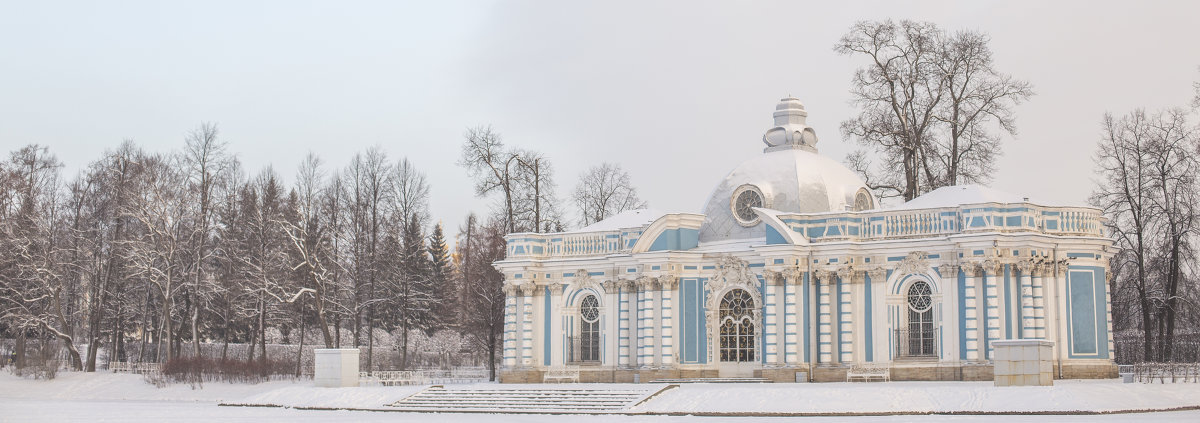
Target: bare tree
927, 103
1148, 166
494, 168
898, 94
484, 297
311, 254
207, 161
976, 96
603, 191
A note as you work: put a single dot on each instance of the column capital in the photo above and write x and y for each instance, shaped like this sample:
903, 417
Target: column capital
848, 274
557, 288
822, 275
990, 267
528, 288
510, 289
970, 268
625, 284
949, 270
611, 286
646, 283
1025, 266
877, 273
668, 282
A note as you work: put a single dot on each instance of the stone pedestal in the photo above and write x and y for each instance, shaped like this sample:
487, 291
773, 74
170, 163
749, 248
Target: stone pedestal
335, 368
1023, 362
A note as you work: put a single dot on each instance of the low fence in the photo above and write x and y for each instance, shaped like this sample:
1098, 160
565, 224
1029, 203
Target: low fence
1130, 348
424, 377
1166, 372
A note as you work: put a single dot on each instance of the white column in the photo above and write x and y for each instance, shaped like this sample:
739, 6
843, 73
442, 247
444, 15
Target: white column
950, 331
624, 317
527, 324
1039, 302
792, 332
639, 325
825, 310
1060, 307
858, 316
667, 314
650, 321
992, 298
511, 331
973, 312
1027, 319
781, 321
556, 326
845, 318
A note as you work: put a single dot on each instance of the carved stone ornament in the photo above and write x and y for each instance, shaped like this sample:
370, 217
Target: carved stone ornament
774, 278
668, 282
847, 274
948, 270
582, 280
877, 274
1024, 266
794, 274
510, 290
971, 269
610, 286
916, 263
528, 288
646, 283
625, 285
990, 267
732, 271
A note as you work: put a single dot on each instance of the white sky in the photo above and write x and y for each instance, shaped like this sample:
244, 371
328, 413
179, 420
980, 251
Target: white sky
676, 92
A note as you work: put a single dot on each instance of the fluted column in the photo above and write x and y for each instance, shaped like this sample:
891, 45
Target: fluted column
526, 355
848, 311
950, 301
1025, 281
991, 291
556, 327
825, 316
667, 319
973, 312
1039, 302
625, 348
511, 332
649, 355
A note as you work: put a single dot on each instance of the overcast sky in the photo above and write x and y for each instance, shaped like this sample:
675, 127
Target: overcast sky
676, 92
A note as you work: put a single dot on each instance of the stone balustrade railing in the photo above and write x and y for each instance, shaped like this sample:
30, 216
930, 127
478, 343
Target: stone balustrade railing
871, 225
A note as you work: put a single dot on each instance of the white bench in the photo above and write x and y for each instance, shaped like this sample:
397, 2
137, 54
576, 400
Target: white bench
561, 374
391, 378
147, 368
119, 367
869, 373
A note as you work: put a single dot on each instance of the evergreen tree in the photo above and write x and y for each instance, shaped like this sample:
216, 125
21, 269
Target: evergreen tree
443, 284
415, 296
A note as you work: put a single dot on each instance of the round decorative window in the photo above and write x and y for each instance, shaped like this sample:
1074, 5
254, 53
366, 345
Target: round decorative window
919, 296
590, 309
745, 199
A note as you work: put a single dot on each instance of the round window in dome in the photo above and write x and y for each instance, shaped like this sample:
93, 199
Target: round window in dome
744, 200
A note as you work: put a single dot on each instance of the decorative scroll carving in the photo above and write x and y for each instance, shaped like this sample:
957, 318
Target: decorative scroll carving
668, 282
917, 262
581, 281
732, 271
1024, 266
877, 274
646, 283
990, 267
528, 288
948, 270
610, 286
774, 278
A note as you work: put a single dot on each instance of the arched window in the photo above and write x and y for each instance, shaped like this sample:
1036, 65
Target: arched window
921, 333
737, 328
589, 329
862, 201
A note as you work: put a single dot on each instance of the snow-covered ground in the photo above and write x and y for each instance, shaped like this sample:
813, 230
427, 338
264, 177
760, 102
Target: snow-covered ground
121, 397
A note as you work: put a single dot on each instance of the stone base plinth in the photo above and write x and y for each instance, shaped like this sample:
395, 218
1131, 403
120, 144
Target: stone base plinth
1023, 362
335, 367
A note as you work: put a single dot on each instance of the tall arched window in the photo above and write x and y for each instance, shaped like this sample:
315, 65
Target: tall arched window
921, 335
737, 327
589, 329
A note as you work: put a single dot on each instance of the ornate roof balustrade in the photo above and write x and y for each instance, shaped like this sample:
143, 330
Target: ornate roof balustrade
572, 244
884, 224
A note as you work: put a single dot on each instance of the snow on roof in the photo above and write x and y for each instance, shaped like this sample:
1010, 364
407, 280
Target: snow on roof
625, 219
956, 195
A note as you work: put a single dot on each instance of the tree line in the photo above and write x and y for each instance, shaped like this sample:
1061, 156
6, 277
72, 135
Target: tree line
156, 253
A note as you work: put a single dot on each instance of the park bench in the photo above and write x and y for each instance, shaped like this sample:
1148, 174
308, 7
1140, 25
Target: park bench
119, 367
868, 373
561, 374
147, 368
390, 378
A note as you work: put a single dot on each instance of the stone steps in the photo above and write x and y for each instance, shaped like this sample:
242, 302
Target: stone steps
581, 400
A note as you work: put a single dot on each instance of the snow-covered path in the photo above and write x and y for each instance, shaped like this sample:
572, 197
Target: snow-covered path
133, 411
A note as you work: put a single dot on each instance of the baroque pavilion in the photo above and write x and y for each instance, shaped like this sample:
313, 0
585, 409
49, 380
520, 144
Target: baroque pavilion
794, 273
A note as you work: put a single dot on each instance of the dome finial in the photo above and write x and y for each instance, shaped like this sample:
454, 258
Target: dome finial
790, 131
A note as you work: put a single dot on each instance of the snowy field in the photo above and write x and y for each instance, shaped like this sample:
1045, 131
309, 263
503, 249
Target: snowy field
100, 397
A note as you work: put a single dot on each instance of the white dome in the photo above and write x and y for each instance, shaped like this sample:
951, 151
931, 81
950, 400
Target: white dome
795, 179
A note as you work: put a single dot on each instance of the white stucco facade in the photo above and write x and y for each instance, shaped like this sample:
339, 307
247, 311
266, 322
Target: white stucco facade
792, 267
